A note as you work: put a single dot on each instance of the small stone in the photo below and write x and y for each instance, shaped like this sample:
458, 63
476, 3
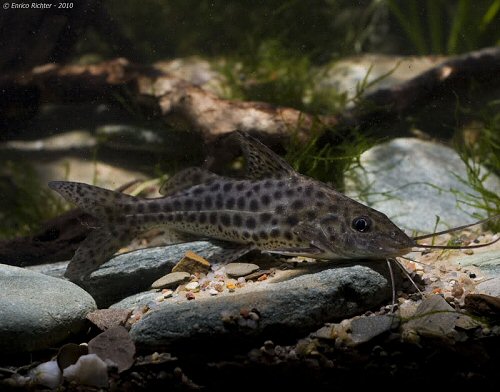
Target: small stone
213, 292
192, 263
230, 286
482, 304
366, 328
190, 295
88, 370
253, 316
263, 277
47, 374
268, 344
457, 290
325, 332
167, 293
69, 354
434, 318
192, 286
107, 318
236, 270
468, 251
160, 298
172, 279
114, 346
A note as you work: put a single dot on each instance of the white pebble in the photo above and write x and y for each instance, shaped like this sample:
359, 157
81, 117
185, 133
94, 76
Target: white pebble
213, 292
88, 370
192, 286
47, 374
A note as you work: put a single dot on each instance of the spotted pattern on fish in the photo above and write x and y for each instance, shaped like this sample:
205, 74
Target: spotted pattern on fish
274, 209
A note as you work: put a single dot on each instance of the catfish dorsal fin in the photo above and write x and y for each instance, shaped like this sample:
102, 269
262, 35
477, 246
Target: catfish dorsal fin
261, 161
186, 178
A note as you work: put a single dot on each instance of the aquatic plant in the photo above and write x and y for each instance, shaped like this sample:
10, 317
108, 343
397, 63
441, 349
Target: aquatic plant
25, 201
447, 27
479, 147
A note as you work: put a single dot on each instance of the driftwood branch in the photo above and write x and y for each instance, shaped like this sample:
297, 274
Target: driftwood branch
482, 66
183, 104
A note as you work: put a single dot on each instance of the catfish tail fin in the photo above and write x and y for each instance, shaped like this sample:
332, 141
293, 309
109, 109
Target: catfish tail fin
105, 239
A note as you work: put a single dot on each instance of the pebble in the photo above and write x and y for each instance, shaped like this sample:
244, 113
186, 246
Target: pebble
190, 295
172, 279
167, 293
213, 292
192, 286
457, 290
192, 263
236, 270
160, 298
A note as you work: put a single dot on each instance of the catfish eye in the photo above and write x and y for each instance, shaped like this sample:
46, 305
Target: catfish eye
361, 224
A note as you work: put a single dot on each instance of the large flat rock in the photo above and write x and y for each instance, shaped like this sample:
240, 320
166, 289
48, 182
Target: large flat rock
38, 311
287, 308
133, 272
413, 181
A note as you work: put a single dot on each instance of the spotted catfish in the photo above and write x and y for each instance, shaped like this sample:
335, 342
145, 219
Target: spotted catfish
274, 209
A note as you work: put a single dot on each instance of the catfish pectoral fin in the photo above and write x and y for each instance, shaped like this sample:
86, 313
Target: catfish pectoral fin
306, 252
229, 252
315, 236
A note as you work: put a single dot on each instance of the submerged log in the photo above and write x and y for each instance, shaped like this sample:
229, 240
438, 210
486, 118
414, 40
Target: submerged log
182, 104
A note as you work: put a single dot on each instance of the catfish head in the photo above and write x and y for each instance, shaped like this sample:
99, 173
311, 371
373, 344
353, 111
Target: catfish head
348, 229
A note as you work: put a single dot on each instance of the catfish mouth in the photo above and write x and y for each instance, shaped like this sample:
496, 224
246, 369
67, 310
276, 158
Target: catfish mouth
396, 247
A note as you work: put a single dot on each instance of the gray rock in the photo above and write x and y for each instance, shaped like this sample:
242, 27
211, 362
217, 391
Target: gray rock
378, 71
197, 71
136, 300
485, 260
133, 272
434, 317
489, 287
413, 181
38, 311
489, 263
170, 280
291, 307
364, 329
235, 270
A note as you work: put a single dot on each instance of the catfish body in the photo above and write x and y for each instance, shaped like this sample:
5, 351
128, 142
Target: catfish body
275, 210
